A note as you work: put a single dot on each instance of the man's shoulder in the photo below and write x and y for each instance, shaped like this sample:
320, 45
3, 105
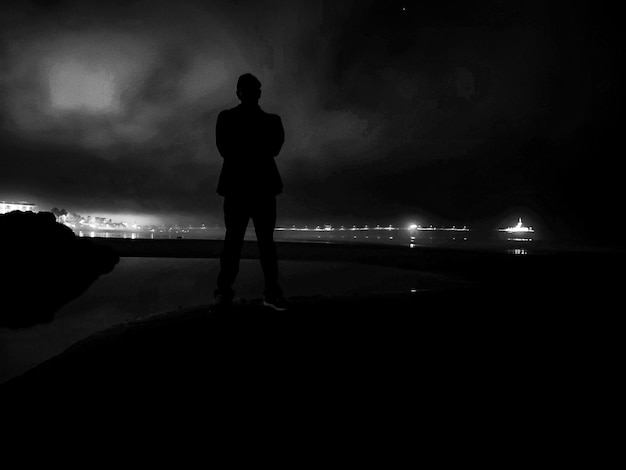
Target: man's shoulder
275, 117
226, 112
238, 111
271, 118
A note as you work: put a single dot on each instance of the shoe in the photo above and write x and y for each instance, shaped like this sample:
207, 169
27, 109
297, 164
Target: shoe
277, 303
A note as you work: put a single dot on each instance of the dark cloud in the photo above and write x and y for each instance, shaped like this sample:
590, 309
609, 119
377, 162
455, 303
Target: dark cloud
460, 112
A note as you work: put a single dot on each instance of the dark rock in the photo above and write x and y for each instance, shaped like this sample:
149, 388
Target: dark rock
44, 266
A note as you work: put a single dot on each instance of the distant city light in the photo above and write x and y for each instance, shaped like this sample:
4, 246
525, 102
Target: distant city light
412, 234
6, 207
518, 228
454, 228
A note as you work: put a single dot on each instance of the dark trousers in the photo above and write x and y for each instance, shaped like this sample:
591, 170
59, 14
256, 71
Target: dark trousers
237, 213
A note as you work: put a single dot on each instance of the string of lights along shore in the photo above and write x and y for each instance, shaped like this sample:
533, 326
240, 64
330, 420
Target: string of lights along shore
92, 226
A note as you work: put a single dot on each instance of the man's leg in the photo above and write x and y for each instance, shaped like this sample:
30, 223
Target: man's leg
264, 217
236, 219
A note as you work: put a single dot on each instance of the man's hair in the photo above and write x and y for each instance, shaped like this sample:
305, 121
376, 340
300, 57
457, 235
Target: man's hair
248, 82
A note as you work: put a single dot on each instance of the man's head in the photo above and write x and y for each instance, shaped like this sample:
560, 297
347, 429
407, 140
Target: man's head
248, 89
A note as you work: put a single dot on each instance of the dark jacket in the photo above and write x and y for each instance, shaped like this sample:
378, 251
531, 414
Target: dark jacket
248, 139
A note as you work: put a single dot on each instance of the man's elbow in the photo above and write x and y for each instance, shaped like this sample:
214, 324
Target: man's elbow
275, 151
277, 147
224, 149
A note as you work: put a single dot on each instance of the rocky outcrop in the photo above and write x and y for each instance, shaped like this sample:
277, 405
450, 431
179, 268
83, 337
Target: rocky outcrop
43, 266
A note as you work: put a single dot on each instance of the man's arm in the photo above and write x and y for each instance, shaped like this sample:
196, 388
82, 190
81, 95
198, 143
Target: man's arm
277, 136
223, 135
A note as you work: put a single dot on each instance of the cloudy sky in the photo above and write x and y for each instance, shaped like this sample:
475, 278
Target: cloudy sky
435, 112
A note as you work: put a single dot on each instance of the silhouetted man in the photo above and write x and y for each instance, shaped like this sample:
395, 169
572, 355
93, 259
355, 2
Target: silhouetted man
248, 139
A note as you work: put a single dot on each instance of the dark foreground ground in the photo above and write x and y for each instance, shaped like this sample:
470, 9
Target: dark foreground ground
522, 357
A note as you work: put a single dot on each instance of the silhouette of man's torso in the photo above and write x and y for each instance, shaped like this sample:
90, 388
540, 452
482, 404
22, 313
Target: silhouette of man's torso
248, 139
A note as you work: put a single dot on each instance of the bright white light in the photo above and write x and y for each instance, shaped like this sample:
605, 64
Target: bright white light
413, 227
518, 228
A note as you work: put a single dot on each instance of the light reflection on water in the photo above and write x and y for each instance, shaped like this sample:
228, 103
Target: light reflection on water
408, 238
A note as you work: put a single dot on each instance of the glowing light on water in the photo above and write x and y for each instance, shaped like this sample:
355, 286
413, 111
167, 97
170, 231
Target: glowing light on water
519, 228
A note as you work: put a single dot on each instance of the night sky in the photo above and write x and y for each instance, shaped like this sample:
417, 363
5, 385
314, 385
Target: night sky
434, 112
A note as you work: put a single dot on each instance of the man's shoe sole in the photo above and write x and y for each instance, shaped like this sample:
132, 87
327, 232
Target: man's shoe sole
279, 309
